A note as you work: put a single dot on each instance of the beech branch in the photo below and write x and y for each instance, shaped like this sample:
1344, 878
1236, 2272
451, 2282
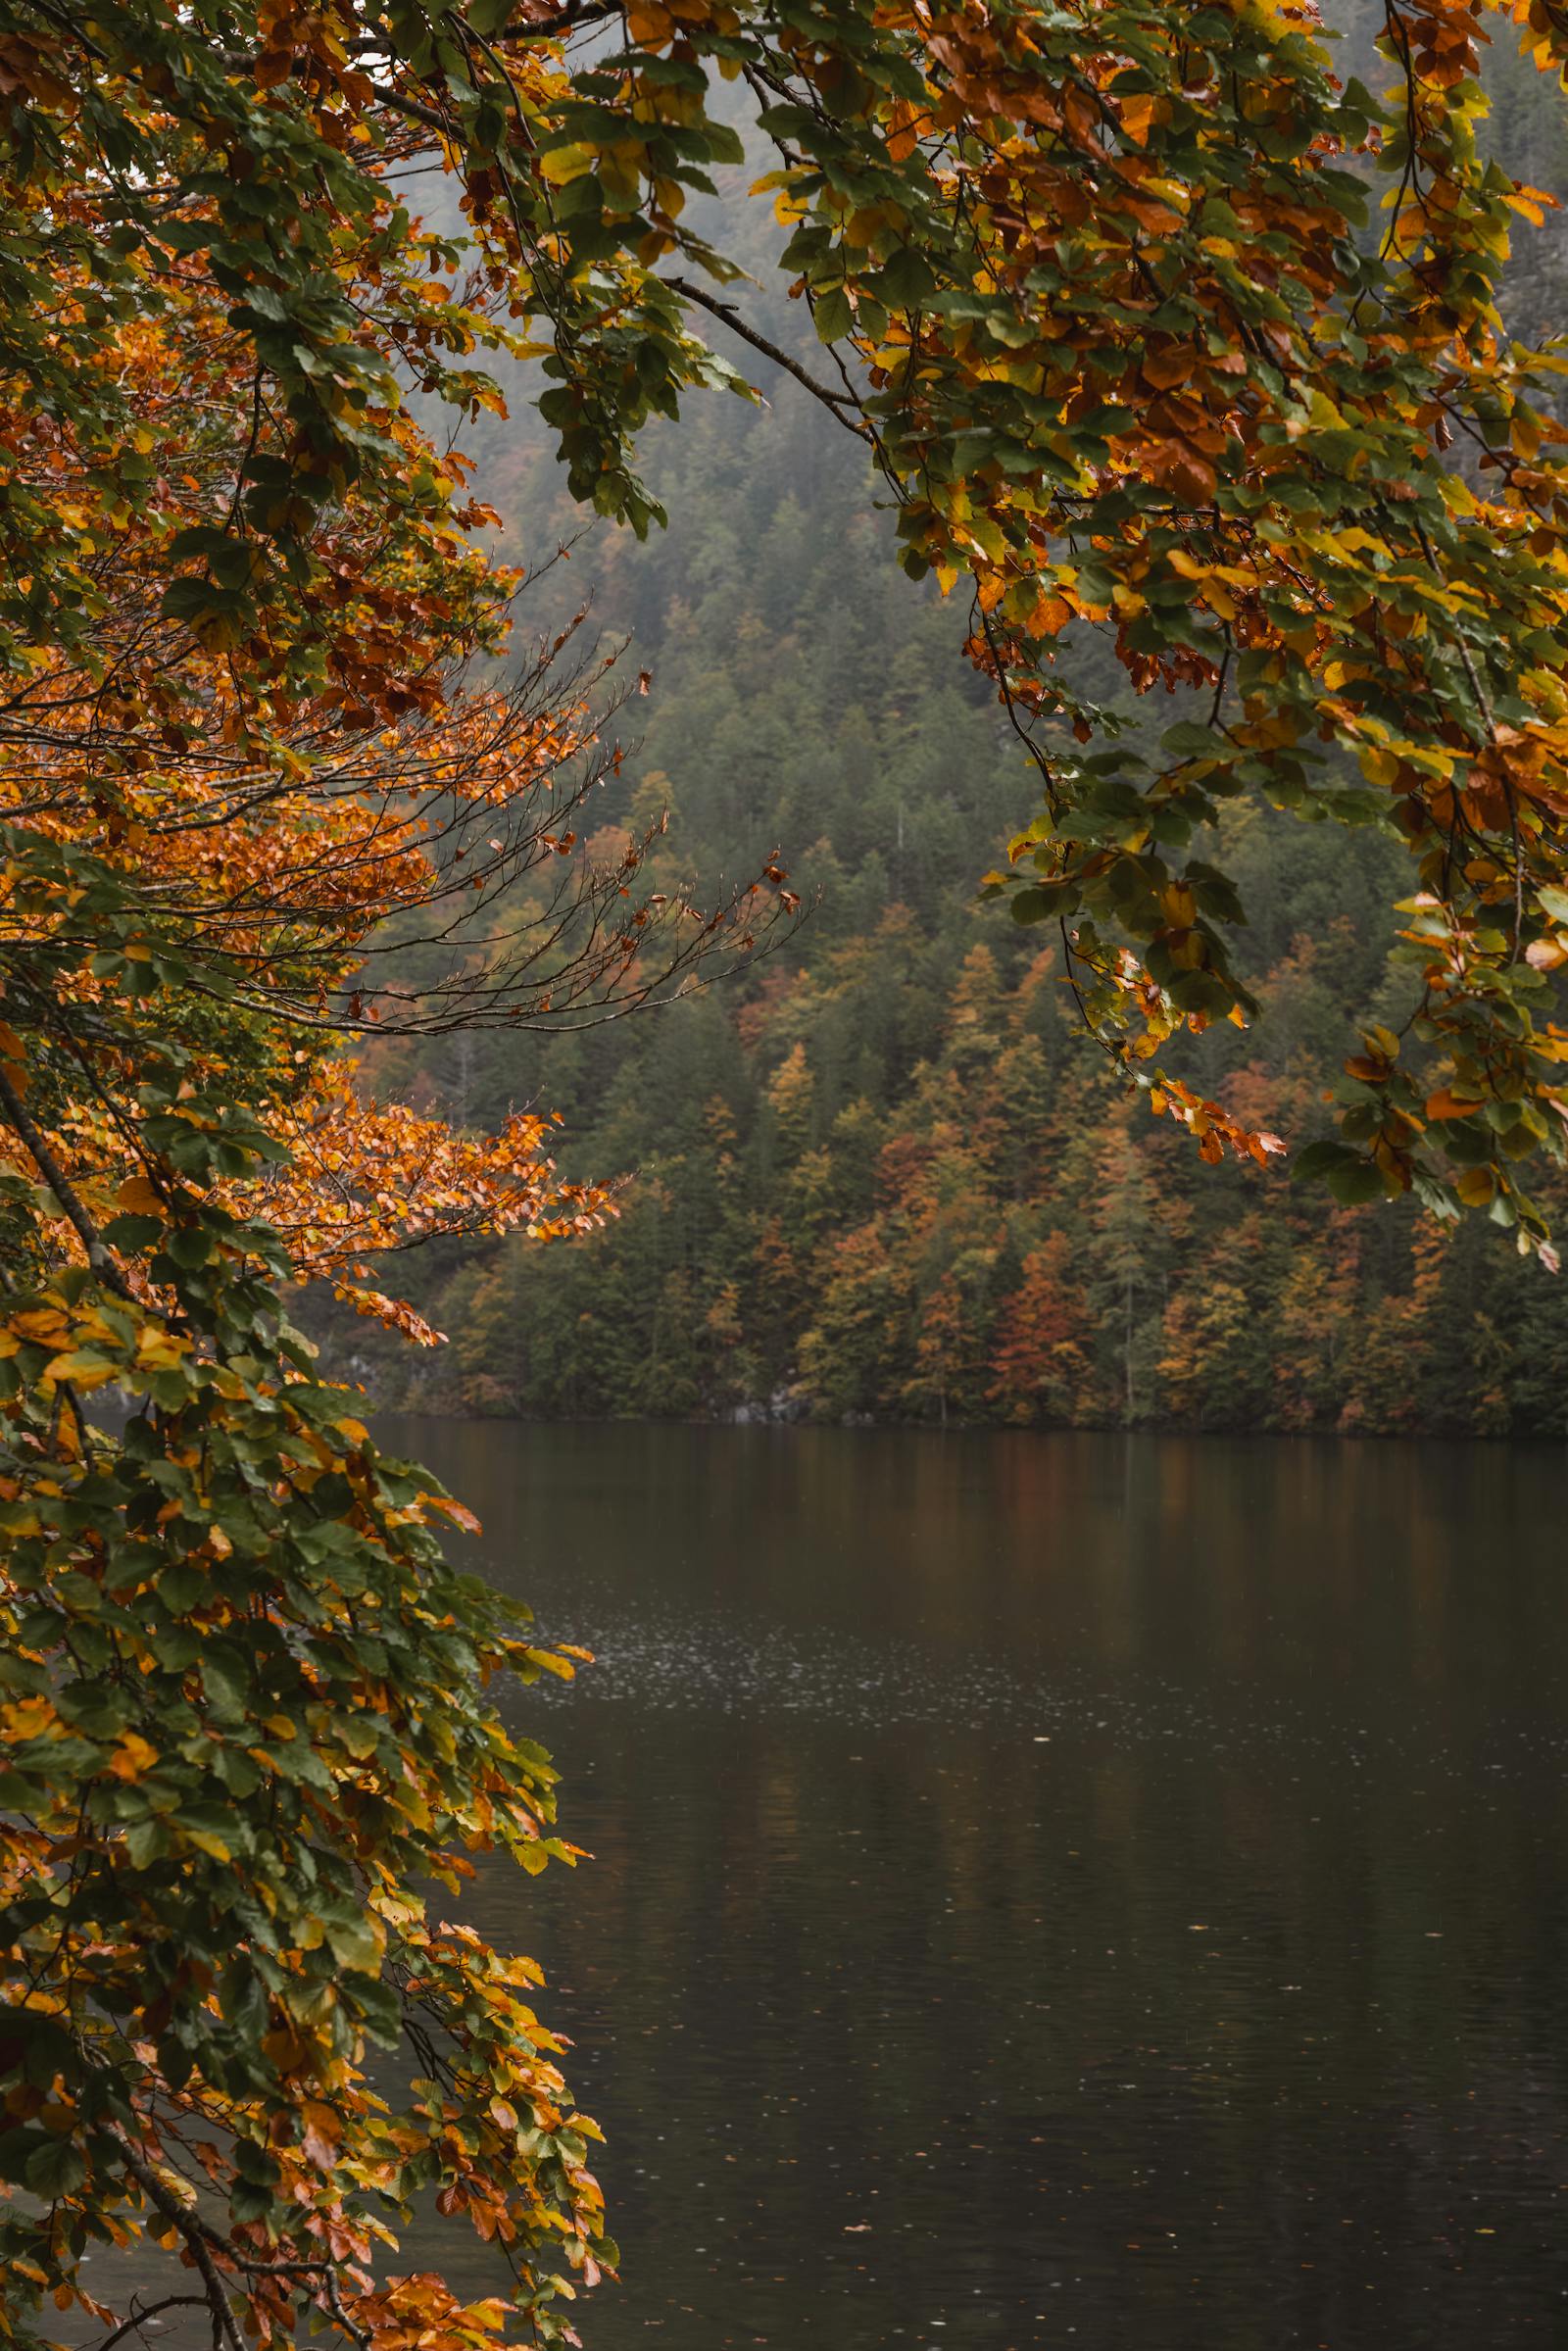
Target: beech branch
215, 2297
54, 1175
138, 2318
836, 402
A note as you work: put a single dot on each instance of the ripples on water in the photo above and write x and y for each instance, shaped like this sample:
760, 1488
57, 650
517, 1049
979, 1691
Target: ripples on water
663, 1662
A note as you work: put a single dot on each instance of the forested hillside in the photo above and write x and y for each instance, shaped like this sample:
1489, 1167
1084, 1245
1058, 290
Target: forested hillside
879, 1175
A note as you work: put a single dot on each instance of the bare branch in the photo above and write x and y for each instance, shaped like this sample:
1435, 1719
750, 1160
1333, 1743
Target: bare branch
138, 2318
836, 402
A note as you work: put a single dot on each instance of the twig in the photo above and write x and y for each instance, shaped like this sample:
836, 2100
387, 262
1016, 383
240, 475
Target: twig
413, 108
1483, 708
836, 402
334, 2297
98, 1256
134, 2324
216, 2298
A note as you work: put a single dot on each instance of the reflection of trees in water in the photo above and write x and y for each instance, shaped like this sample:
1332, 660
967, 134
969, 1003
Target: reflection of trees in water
996, 1966
928, 1995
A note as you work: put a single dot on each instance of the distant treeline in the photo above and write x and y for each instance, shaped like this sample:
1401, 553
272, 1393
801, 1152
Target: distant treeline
880, 1175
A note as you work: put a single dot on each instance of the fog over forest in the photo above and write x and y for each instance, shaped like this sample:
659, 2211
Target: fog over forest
880, 1175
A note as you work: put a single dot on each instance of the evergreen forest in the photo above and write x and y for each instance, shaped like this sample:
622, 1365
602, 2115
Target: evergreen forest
882, 1175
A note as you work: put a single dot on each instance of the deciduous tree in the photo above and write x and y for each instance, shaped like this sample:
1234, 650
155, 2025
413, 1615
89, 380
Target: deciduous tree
251, 749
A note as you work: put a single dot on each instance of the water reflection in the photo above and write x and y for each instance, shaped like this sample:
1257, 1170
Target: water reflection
1053, 1889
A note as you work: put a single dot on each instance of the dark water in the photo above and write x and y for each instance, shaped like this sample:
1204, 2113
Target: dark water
1054, 1888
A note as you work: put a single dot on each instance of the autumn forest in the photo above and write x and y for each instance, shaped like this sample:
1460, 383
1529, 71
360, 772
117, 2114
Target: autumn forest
815, 711
882, 1175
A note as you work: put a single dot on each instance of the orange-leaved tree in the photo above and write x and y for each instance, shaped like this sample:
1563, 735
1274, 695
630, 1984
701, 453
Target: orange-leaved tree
254, 805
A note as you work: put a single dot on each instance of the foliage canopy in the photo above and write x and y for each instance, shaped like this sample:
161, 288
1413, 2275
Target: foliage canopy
1106, 290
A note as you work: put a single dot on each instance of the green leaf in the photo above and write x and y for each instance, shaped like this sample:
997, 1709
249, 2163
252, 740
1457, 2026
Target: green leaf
1318, 1160
56, 2169
1354, 1186
227, 1682
354, 1945
1041, 901
832, 315
17, 2146
905, 283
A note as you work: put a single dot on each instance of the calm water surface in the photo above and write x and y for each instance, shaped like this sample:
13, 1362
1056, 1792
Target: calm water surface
1053, 1889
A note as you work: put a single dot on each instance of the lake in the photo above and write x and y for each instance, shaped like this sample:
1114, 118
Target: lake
1052, 1888
1049, 1890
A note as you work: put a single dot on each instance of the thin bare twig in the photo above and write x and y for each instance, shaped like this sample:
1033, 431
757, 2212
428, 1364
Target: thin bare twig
138, 2318
836, 402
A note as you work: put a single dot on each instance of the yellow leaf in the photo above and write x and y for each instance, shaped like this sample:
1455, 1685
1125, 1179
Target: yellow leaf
133, 1757
86, 1370
138, 1197
1137, 114
157, 1350
564, 164
1524, 431
1445, 1103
